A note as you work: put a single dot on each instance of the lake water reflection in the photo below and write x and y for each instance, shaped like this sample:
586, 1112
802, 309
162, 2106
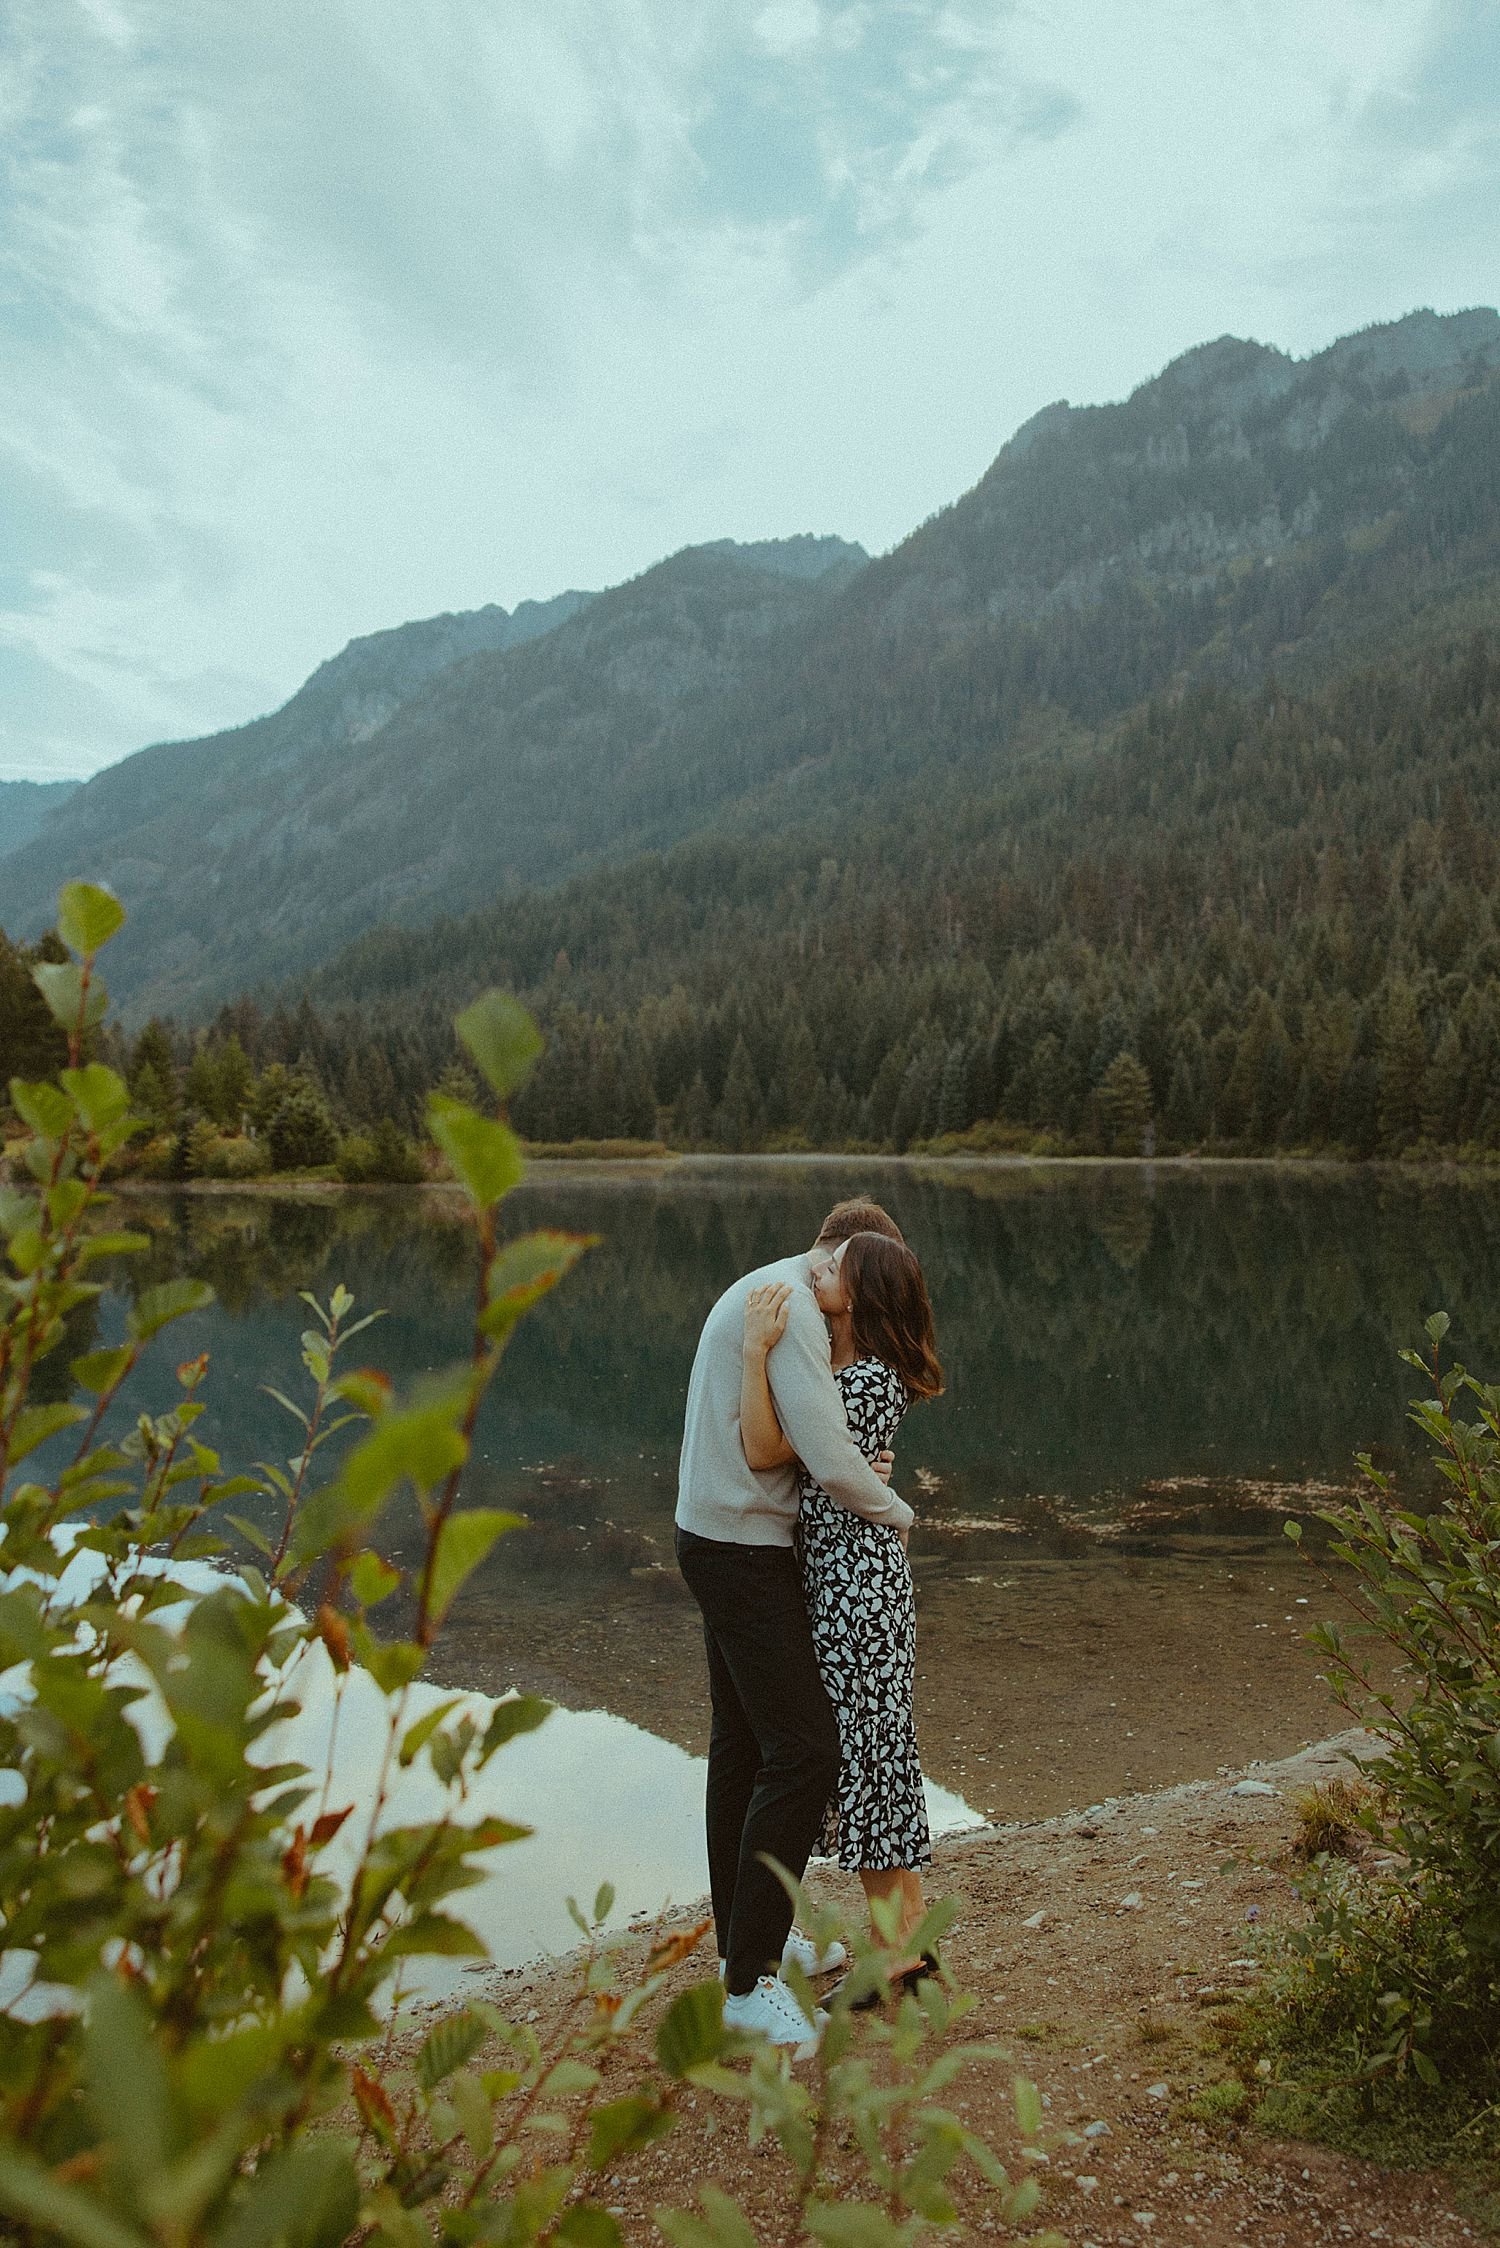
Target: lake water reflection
1147, 1368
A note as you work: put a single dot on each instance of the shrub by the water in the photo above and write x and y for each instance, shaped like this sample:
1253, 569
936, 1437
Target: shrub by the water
1379, 2020
382, 1157
195, 1966
301, 1133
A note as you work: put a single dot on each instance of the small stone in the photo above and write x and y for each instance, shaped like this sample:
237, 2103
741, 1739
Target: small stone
1097, 2131
1156, 2091
1087, 2185
1035, 1921
1132, 1903
1150, 1830
1253, 1787
1146, 2218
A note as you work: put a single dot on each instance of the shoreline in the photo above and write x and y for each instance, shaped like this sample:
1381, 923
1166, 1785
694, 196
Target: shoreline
1105, 1948
677, 1164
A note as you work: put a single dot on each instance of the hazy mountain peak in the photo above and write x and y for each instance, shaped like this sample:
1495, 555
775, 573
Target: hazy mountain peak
805, 555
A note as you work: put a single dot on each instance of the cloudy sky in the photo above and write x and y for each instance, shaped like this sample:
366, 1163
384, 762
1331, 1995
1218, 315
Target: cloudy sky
323, 314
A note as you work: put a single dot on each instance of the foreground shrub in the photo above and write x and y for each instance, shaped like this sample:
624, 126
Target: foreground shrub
1391, 1990
199, 1944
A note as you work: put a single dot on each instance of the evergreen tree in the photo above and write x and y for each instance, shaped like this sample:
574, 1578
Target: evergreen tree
1443, 1089
1123, 1100
301, 1133
737, 1123
1403, 1069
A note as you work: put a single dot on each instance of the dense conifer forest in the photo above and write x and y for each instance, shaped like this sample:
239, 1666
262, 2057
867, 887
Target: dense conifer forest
1147, 798
1252, 921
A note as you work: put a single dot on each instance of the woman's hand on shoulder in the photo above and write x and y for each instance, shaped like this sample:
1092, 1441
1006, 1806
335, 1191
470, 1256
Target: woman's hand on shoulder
765, 1317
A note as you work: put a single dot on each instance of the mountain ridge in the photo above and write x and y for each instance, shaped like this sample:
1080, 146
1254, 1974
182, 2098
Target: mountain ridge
1240, 511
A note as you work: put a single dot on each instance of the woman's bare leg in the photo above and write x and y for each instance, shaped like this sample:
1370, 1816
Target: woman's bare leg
902, 1887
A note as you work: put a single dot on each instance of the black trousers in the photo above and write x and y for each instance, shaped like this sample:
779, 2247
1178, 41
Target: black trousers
773, 1752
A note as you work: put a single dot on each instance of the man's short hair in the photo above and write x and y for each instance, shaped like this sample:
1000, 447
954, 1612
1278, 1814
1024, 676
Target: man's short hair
846, 1218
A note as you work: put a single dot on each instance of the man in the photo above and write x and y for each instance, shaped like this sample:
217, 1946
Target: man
773, 1753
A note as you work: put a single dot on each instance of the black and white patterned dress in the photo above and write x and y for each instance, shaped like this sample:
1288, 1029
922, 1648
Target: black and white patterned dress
857, 1583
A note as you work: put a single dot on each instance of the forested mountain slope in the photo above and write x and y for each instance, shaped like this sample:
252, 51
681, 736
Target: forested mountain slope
24, 805
1283, 907
1243, 516
375, 791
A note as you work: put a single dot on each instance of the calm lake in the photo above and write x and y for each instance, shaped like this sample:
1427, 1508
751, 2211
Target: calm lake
1148, 1370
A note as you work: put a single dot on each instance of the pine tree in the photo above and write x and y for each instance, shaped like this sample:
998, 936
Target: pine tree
153, 1075
235, 1078
953, 1091
1403, 1068
1123, 1101
737, 1124
301, 1133
1443, 1089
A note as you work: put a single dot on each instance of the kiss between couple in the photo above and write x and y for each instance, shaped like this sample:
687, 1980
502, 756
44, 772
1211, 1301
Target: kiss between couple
795, 1550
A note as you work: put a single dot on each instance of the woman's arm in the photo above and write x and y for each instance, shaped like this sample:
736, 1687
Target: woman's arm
760, 1430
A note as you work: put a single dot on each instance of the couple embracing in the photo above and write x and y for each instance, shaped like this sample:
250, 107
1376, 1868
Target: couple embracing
794, 1548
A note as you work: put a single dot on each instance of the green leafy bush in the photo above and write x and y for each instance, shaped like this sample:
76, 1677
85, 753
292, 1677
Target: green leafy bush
199, 1945
301, 1132
1396, 1974
381, 1157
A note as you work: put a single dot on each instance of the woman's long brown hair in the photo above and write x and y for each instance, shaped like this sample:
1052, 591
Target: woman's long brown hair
890, 1314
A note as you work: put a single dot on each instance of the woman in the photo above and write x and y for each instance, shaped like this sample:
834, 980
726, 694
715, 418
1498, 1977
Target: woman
855, 1574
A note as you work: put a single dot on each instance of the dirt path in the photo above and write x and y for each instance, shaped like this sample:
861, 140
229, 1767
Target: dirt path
1101, 1946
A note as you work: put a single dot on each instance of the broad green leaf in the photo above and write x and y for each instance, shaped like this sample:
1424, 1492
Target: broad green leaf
419, 1734
586, 2225
169, 1300
36, 1423
501, 1039
99, 1095
1028, 2107
113, 1245
127, 2079
434, 1935
722, 2225
450, 2045
421, 1444
486, 1155
54, 2210
372, 1579
604, 1902
42, 1106
16, 1209
61, 985
464, 1541
524, 1270
517, 1713
87, 916
853, 2224
692, 2029
624, 2126
307, 2197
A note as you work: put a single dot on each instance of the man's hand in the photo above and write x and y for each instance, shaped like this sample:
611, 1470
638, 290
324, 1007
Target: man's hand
883, 1463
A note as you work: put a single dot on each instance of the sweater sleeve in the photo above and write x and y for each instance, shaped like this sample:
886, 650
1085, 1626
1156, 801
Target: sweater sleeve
811, 1411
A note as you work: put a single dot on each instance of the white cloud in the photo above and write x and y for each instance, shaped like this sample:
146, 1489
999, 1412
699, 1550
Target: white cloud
323, 316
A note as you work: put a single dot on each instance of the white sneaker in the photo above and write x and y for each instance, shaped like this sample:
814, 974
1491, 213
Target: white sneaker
801, 1951
770, 2011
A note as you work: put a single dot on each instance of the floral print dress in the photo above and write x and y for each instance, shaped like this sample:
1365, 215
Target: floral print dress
857, 1582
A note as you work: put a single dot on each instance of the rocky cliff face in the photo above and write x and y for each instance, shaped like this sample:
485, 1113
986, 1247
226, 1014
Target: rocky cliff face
1234, 452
